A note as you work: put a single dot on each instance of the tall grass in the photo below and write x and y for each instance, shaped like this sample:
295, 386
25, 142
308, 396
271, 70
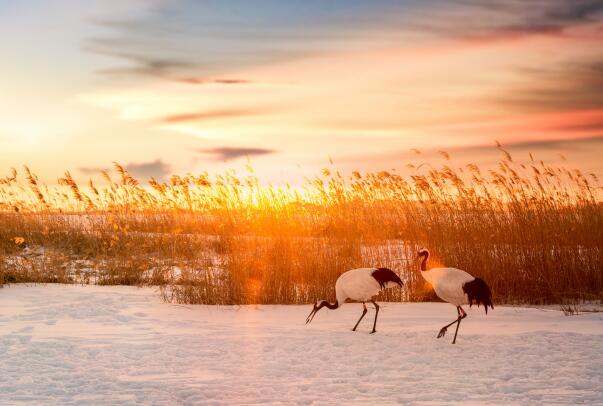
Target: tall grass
532, 230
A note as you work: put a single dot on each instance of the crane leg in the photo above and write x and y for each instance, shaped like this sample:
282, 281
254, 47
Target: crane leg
376, 313
461, 315
363, 313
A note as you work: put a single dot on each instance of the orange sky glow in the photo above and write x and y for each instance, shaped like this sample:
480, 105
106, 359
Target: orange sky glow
180, 86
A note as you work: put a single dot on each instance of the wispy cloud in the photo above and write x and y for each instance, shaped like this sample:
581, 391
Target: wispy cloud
487, 153
142, 64
144, 170
185, 40
197, 81
594, 126
548, 144
229, 153
210, 115
140, 170
560, 144
575, 85
500, 19
91, 170
206, 38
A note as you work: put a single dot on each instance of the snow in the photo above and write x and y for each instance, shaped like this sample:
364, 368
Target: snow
66, 344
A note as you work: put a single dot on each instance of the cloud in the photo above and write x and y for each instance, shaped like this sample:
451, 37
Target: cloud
500, 19
210, 115
568, 153
551, 144
525, 146
594, 126
567, 86
228, 153
548, 144
142, 64
582, 152
140, 170
88, 170
196, 81
189, 39
145, 170
576, 11
231, 81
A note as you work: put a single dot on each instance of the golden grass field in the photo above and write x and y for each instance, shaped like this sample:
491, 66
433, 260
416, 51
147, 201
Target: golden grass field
533, 231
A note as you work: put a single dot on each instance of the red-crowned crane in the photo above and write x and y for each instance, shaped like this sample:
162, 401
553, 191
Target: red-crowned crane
456, 287
361, 285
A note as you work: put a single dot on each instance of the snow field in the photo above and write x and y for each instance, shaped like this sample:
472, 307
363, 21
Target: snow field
66, 345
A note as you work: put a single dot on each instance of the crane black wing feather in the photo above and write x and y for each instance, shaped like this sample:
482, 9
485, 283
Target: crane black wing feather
478, 292
384, 275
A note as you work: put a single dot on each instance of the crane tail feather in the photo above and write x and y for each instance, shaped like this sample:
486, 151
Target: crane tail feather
478, 292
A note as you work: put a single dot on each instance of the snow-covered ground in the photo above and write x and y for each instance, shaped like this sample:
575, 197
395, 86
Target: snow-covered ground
121, 345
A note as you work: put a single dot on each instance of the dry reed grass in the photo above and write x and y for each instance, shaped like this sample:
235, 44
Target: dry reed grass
533, 231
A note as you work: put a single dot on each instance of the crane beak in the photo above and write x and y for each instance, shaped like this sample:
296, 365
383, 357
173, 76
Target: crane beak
312, 313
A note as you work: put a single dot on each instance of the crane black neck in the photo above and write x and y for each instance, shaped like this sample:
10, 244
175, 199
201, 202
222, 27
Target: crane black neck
424, 262
328, 305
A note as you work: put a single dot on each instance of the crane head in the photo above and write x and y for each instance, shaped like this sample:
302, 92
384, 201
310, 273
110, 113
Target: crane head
319, 305
315, 309
423, 252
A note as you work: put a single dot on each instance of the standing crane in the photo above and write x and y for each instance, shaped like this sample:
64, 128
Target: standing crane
456, 287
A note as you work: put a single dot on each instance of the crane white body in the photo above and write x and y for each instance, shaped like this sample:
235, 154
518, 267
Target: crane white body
448, 284
360, 284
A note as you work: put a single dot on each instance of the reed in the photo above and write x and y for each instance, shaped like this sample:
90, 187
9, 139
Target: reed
532, 230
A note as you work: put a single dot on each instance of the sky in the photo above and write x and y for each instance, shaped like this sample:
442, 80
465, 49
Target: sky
179, 86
